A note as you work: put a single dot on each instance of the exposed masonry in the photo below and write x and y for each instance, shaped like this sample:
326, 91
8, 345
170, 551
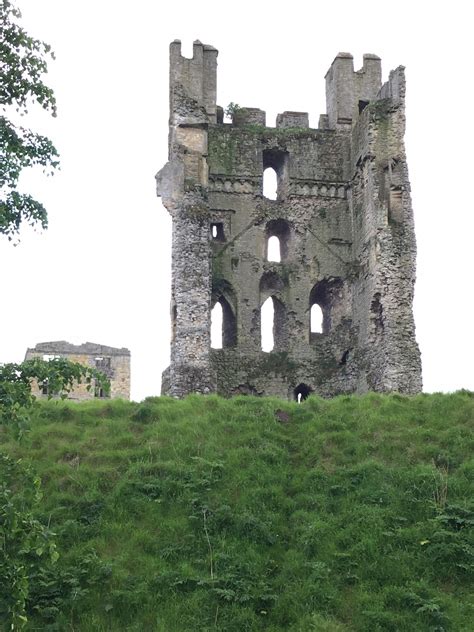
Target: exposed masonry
115, 363
344, 220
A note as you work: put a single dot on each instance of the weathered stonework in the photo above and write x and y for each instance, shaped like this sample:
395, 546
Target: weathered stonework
344, 220
115, 363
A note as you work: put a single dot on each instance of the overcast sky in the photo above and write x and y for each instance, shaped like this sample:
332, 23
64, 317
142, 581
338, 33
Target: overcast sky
101, 272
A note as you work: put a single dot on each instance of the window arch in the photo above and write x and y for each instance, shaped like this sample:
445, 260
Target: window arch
277, 231
273, 325
267, 315
326, 296
223, 316
273, 249
275, 169
216, 326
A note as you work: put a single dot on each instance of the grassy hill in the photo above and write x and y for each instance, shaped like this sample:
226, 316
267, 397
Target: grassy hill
353, 514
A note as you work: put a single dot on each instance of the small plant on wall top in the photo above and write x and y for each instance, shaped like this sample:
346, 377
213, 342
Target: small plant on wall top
231, 109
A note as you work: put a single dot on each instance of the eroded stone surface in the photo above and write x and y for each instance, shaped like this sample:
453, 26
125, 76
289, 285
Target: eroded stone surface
344, 221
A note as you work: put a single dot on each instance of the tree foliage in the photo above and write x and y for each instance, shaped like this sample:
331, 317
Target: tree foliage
60, 374
22, 66
27, 546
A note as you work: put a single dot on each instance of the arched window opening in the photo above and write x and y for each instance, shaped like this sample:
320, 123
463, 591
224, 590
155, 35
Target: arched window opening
325, 299
270, 183
273, 249
302, 392
266, 320
316, 318
223, 325
276, 170
277, 231
273, 324
216, 326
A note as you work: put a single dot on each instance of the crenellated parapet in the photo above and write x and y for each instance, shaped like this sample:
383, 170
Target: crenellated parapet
348, 92
193, 84
342, 218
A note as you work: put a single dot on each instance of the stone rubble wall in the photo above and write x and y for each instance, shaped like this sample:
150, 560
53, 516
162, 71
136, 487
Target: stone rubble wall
344, 220
86, 354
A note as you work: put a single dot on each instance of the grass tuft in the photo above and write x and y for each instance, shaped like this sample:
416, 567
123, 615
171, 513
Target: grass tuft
350, 514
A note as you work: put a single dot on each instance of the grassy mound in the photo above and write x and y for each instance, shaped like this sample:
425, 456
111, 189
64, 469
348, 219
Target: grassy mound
353, 514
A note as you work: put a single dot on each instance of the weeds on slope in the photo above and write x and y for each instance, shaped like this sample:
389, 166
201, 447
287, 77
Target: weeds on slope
256, 514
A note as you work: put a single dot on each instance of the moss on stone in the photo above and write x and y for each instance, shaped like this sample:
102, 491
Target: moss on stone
276, 362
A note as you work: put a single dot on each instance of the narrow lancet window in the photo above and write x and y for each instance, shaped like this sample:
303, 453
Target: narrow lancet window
266, 320
216, 326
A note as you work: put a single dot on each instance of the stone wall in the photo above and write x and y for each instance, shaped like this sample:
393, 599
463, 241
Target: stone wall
115, 363
344, 222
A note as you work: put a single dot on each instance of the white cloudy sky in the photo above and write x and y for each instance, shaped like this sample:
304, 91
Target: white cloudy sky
102, 270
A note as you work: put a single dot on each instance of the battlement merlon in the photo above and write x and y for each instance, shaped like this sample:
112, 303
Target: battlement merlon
193, 84
346, 89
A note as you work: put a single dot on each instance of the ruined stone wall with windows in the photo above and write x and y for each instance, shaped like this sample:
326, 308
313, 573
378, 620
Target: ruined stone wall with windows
331, 252
112, 361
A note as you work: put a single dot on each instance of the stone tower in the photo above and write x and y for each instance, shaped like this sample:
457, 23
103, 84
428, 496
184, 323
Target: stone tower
344, 222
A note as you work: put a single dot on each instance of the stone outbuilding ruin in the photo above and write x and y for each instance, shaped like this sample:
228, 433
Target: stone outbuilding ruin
113, 362
342, 219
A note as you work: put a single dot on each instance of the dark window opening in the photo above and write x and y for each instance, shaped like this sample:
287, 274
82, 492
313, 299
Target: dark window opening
46, 389
302, 392
102, 364
99, 392
377, 313
275, 174
363, 105
278, 234
345, 357
217, 231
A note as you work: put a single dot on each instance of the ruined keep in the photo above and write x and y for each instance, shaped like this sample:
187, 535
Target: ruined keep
344, 221
112, 361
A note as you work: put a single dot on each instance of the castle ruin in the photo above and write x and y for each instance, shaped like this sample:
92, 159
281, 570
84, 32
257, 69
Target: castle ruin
343, 221
112, 361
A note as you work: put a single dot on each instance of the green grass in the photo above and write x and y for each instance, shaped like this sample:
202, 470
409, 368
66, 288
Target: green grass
351, 514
